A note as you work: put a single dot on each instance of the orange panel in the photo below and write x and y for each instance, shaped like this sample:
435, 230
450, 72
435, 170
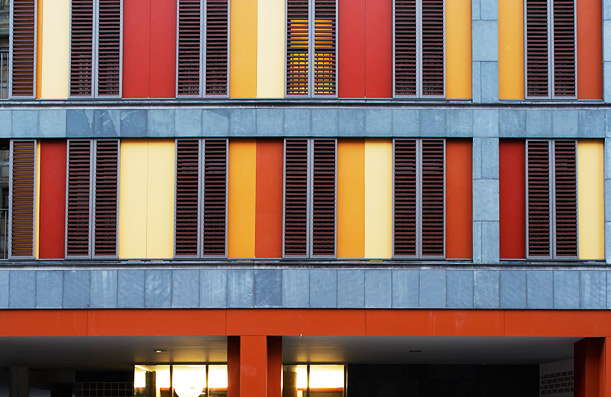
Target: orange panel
233, 366
43, 323
574, 323
351, 198
253, 366
589, 49
512, 200
459, 220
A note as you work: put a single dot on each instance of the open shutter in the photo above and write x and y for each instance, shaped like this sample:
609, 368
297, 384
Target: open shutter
296, 197
109, 48
106, 197
215, 197
433, 198
187, 198
23, 182
565, 175
78, 198
538, 195
405, 198
81, 48
405, 48
325, 64
323, 197
217, 55
189, 47
297, 47
23, 49
537, 49
432, 48
564, 48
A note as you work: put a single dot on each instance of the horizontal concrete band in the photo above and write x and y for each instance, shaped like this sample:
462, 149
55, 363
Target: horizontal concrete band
258, 121
306, 288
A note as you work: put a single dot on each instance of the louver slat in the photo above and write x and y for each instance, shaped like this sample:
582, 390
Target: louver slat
432, 48
78, 196
106, 197
24, 48
81, 48
405, 48
217, 56
537, 56
22, 198
565, 170
564, 48
405, 198
189, 47
324, 47
538, 186
187, 197
296, 197
215, 197
323, 196
297, 55
109, 48
433, 197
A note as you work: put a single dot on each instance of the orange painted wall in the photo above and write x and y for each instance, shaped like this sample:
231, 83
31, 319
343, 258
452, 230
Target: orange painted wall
589, 49
268, 208
253, 365
351, 198
512, 201
233, 366
274, 366
459, 219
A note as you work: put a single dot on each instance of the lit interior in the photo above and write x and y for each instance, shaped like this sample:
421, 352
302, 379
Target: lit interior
189, 380
217, 377
326, 377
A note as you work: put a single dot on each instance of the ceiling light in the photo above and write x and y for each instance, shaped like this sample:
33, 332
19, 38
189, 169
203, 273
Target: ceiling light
160, 350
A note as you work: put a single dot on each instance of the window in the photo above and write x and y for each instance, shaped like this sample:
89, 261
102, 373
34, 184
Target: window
551, 199
419, 65
4, 73
419, 198
309, 197
550, 48
23, 49
184, 380
311, 48
201, 198
22, 199
203, 56
310, 380
92, 198
95, 48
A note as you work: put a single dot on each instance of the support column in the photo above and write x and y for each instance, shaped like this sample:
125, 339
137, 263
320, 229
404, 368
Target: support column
589, 367
485, 54
233, 366
254, 366
19, 383
486, 215
274, 366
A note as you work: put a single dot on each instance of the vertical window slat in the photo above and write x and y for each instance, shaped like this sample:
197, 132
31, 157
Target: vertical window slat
323, 197
296, 197
23, 65
81, 48
189, 48
217, 46
109, 48
23, 176
106, 197
215, 197
78, 198
186, 236
325, 56
297, 47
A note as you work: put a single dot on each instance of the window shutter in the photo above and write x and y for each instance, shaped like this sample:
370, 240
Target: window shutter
297, 47
537, 55
78, 198
432, 48
538, 194
106, 197
405, 198
81, 48
325, 23
323, 196
564, 47
109, 48
215, 197
217, 56
405, 48
565, 173
23, 174
189, 47
296, 197
23, 48
186, 238
433, 197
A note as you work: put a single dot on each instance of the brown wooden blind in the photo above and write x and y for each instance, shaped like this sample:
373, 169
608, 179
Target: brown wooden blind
405, 198
217, 45
537, 47
405, 48
432, 48
109, 48
539, 198
433, 197
189, 47
24, 48
323, 197
81, 48
564, 47
215, 197
187, 198
106, 197
296, 197
23, 177
325, 64
565, 185
297, 47
78, 198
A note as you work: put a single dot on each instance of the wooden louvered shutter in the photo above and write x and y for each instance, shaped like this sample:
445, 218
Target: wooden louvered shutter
23, 174
538, 198
217, 40
325, 51
432, 48
565, 185
297, 47
187, 198
23, 49
564, 48
189, 48
106, 197
78, 198
215, 197
405, 198
405, 48
537, 49
323, 197
109, 48
433, 197
81, 48
296, 197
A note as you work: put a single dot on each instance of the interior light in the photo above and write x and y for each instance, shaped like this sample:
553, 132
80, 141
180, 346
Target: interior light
160, 350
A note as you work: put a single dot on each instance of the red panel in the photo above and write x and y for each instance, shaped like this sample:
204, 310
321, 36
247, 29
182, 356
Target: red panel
459, 206
351, 42
589, 49
512, 200
233, 366
163, 49
136, 48
253, 366
589, 361
378, 49
268, 211
52, 199
274, 366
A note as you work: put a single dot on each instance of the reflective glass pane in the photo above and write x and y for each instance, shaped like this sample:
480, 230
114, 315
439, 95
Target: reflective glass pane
152, 381
217, 380
326, 381
189, 380
295, 380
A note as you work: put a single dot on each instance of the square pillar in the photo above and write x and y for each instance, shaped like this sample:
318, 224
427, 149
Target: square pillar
254, 366
485, 54
486, 214
589, 367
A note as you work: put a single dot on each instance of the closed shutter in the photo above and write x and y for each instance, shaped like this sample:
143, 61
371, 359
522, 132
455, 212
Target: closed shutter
189, 48
23, 182
217, 40
323, 198
187, 198
296, 197
564, 48
565, 184
81, 48
106, 197
539, 198
405, 198
109, 48
537, 47
432, 48
78, 198
215, 197
297, 47
433, 198
405, 48
325, 64
23, 48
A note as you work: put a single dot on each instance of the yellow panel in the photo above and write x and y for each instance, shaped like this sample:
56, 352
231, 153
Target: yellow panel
351, 198
133, 198
160, 200
54, 61
39, 26
243, 61
591, 197
270, 49
458, 49
242, 198
511, 49
37, 211
378, 198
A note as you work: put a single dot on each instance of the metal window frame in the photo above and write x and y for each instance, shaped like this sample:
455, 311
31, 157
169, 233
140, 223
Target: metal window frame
10, 199
202, 183
310, 221
10, 57
8, 71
